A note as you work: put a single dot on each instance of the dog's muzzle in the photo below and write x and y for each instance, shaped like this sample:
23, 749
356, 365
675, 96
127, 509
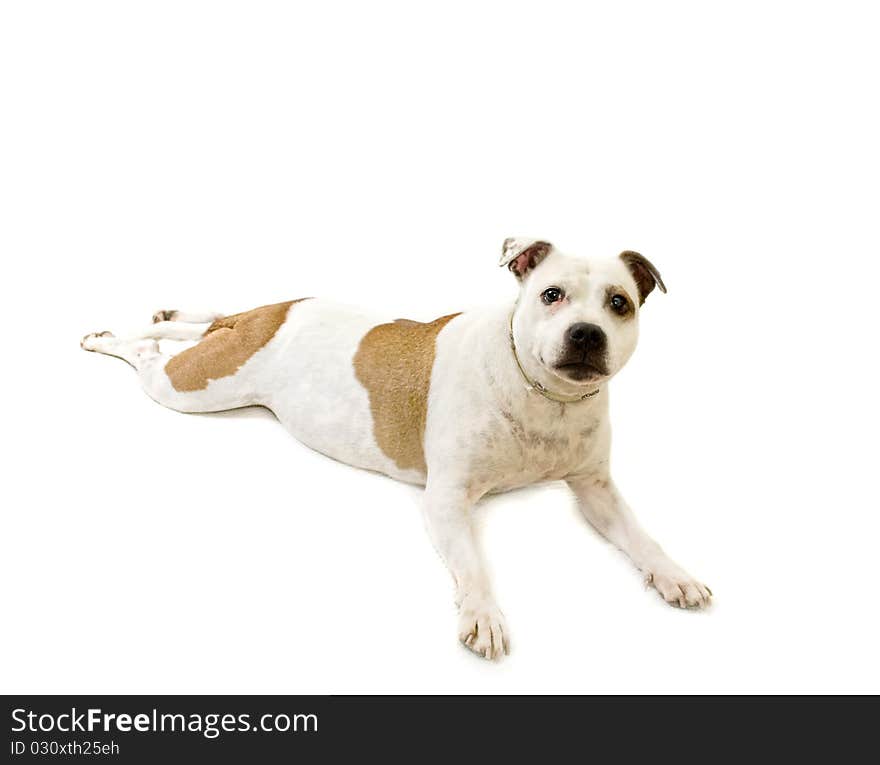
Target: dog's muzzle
585, 353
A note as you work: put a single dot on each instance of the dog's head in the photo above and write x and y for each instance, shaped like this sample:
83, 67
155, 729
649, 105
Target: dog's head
576, 320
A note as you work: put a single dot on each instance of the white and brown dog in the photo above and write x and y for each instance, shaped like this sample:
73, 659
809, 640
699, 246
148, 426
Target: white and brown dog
468, 404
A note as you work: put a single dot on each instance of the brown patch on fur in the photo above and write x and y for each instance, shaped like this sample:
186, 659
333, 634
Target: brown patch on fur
226, 345
628, 311
393, 362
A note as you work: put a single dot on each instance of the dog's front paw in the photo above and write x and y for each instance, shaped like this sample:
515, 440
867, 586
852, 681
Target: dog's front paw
481, 628
679, 588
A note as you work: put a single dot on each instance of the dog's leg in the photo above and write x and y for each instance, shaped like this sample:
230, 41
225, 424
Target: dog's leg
481, 623
137, 351
192, 317
608, 513
142, 352
166, 330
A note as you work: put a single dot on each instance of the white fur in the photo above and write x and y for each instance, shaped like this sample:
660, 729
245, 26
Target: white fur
486, 430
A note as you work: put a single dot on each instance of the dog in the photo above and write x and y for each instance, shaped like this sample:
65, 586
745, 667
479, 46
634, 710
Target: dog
469, 404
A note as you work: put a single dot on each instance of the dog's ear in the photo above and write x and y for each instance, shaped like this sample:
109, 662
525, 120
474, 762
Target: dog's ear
521, 255
644, 272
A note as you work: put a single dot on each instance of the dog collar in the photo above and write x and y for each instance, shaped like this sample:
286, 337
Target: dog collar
535, 385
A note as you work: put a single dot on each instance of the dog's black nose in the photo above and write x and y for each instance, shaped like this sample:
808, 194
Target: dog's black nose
590, 337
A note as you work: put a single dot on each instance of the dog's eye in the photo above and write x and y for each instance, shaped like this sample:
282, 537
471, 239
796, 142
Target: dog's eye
619, 303
551, 295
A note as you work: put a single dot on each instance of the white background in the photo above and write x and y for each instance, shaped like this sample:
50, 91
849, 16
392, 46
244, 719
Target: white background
227, 155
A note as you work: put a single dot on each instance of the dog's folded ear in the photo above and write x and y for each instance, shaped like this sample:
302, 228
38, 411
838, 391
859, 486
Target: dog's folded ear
644, 272
521, 255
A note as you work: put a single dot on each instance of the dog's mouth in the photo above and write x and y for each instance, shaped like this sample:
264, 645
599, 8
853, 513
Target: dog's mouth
582, 370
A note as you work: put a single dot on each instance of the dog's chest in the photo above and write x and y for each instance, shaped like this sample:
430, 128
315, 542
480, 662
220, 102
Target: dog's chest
517, 452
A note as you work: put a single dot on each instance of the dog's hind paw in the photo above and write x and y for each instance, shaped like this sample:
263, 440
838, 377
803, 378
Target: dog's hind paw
164, 314
91, 341
482, 629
